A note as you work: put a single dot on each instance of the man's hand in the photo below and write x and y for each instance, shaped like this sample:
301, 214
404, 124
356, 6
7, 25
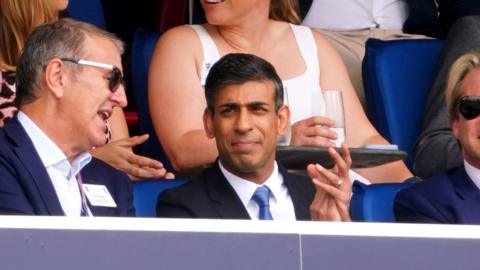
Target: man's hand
119, 154
313, 131
334, 188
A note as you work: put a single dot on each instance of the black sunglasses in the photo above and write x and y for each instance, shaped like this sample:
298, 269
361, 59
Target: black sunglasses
469, 107
115, 78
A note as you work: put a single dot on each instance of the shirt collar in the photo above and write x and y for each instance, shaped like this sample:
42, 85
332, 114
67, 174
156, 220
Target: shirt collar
50, 154
473, 173
245, 188
79, 162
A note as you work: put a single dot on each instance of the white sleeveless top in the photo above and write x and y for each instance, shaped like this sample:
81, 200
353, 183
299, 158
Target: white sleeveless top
299, 89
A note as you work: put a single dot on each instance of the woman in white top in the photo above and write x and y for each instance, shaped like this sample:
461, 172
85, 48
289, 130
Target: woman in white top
264, 28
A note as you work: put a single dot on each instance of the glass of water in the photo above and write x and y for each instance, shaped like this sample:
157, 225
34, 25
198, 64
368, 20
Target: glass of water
335, 111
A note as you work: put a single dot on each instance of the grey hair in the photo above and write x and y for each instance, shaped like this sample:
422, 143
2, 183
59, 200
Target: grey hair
61, 38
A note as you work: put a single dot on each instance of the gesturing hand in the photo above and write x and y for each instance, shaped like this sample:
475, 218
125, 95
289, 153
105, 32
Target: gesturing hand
120, 155
334, 188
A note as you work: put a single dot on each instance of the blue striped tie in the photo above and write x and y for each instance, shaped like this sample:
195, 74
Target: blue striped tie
261, 197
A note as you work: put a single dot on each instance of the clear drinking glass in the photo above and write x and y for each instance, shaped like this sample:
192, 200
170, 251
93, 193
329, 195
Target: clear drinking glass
334, 110
284, 140
318, 104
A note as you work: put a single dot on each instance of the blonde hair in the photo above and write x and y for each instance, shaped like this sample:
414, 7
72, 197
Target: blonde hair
17, 19
284, 10
458, 71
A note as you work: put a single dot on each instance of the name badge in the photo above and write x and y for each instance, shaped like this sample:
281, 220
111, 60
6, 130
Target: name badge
98, 195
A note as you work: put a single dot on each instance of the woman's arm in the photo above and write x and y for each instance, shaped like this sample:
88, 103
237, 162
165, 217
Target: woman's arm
177, 102
359, 130
118, 123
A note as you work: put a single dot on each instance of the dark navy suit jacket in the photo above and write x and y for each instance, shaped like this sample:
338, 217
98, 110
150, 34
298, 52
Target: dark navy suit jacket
211, 196
449, 197
25, 187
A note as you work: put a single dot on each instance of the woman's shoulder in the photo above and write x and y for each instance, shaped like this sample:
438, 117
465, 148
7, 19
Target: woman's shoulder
179, 33
322, 42
319, 37
180, 40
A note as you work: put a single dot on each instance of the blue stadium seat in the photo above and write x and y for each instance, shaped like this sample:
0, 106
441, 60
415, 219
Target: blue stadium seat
90, 11
397, 76
142, 48
374, 202
145, 194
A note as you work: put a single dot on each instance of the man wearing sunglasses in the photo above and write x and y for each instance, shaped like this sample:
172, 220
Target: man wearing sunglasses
68, 83
454, 195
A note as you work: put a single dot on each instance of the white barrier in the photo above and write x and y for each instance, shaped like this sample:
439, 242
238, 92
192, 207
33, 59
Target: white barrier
139, 243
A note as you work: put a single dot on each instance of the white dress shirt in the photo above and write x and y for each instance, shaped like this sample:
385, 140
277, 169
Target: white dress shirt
354, 15
281, 205
473, 173
62, 173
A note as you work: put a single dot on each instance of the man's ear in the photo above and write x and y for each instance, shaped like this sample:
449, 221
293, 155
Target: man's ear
283, 120
208, 123
55, 77
454, 124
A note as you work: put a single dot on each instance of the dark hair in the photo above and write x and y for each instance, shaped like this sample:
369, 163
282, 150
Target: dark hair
61, 38
239, 68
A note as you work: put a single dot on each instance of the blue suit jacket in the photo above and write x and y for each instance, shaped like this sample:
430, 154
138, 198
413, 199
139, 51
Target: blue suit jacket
449, 197
211, 196
26, 188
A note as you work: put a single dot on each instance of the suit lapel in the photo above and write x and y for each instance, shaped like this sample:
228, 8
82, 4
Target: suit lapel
31, 161
469, 195
300, 198
229, 205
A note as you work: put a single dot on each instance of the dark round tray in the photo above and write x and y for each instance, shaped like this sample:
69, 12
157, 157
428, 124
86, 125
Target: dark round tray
297, 158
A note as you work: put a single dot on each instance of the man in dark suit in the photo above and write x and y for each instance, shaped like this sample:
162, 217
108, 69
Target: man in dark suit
245, 114
454, 195
436, 137
68, 82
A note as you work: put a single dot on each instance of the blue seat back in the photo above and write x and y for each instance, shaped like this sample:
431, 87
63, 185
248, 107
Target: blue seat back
144, 42
90, 11
145, 194
397, 76
375, 202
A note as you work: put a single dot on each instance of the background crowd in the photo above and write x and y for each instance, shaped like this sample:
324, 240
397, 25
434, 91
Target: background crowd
311, 46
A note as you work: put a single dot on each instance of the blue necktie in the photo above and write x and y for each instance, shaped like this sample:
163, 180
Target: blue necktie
261, 197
